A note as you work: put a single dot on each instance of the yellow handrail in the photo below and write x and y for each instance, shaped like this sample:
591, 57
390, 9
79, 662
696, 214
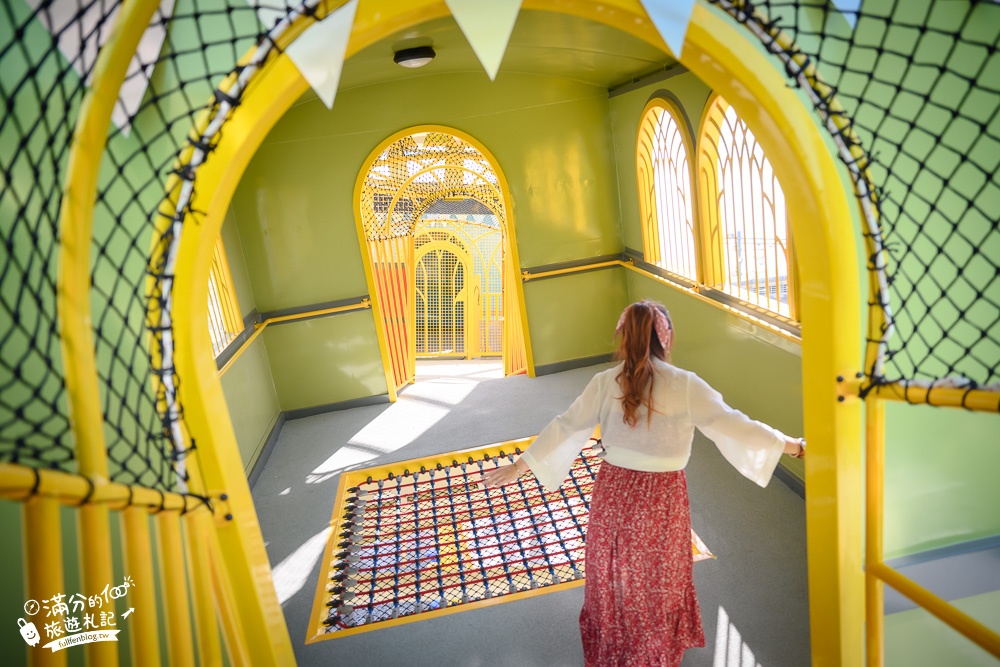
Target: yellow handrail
18, 481
963, 623
527, 275
259, 327
689, 291
980, 400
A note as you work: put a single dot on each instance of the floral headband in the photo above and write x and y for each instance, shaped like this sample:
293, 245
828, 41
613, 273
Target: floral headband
661, 322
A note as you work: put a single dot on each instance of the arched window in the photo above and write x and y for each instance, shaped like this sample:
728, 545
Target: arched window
224, 320
665, 194
747, 244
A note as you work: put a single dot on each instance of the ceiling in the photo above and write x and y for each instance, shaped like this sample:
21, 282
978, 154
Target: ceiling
547, 43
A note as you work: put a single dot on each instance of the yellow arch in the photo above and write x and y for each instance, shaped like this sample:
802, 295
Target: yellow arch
730, 62
506, 220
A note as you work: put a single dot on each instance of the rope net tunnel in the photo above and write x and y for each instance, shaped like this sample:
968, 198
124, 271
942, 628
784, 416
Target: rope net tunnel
908, 89
910, 92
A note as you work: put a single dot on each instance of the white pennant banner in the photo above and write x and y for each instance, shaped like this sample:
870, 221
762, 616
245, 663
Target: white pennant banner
671, 18
318, 53
487, 26
849, 10
82, 51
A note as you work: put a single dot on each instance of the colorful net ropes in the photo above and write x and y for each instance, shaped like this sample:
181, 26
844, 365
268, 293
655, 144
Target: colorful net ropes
428, 540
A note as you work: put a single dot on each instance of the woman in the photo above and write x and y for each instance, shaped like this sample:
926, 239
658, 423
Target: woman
639, 603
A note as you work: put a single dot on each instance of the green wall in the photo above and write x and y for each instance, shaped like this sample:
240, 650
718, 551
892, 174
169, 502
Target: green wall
252, 401
574, 316
248, 384
325, 360
294, 209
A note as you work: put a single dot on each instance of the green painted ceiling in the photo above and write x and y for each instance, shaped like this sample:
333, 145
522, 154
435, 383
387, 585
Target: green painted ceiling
542, 43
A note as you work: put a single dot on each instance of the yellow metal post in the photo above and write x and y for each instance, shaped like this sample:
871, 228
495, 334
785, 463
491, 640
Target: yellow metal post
43, 567
232, 630
875, 485
721, 55
73, 296
197, 525
94, 532
173, 585
143, 629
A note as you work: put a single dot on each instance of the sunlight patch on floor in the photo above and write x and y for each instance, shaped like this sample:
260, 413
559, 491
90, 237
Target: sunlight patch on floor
730, 650
439, 386
291, 574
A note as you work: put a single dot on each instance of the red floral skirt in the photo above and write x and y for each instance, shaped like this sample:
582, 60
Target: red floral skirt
639, 602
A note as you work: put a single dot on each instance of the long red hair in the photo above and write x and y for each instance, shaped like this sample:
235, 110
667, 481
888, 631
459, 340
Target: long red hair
638, 344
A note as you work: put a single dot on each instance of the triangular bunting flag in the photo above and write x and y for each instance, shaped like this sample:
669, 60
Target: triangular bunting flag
318, 53
849, 9
671, 18
82, 53
487, 26
140, 70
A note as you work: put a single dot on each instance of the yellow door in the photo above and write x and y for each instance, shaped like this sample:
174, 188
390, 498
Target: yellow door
443, 283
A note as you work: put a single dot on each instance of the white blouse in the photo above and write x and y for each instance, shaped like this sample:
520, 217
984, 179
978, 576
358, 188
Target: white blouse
681, 401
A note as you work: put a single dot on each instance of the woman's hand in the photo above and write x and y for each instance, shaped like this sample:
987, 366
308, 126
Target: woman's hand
504, 475
795, 447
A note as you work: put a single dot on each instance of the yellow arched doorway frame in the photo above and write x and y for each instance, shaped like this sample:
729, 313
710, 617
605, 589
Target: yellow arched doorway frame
732, 62
501, 193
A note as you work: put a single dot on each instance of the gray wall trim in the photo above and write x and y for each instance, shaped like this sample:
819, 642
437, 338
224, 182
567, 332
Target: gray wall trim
248, 328
668, 72
952, 573
332, 407
298, 310
791, 481
265, 452
572, 264
571, 364
251, 318
973, 546
640, 262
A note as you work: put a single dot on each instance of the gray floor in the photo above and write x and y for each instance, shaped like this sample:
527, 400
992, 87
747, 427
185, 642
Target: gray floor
753, 598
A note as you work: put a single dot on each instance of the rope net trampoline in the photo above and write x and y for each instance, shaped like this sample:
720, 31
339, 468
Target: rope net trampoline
426, 537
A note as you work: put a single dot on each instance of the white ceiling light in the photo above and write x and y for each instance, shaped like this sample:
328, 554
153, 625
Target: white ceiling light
418, 56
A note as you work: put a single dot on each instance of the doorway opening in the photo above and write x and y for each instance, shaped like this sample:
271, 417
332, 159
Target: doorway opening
437, 239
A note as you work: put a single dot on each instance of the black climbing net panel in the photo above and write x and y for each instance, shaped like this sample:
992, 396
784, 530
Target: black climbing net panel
910, 90
48, 52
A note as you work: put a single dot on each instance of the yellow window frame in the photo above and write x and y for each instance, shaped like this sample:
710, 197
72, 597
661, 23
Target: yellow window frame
652, 232
711, 227
224, 320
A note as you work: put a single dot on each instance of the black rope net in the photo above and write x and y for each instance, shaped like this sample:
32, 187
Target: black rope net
910, 91
48, 50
